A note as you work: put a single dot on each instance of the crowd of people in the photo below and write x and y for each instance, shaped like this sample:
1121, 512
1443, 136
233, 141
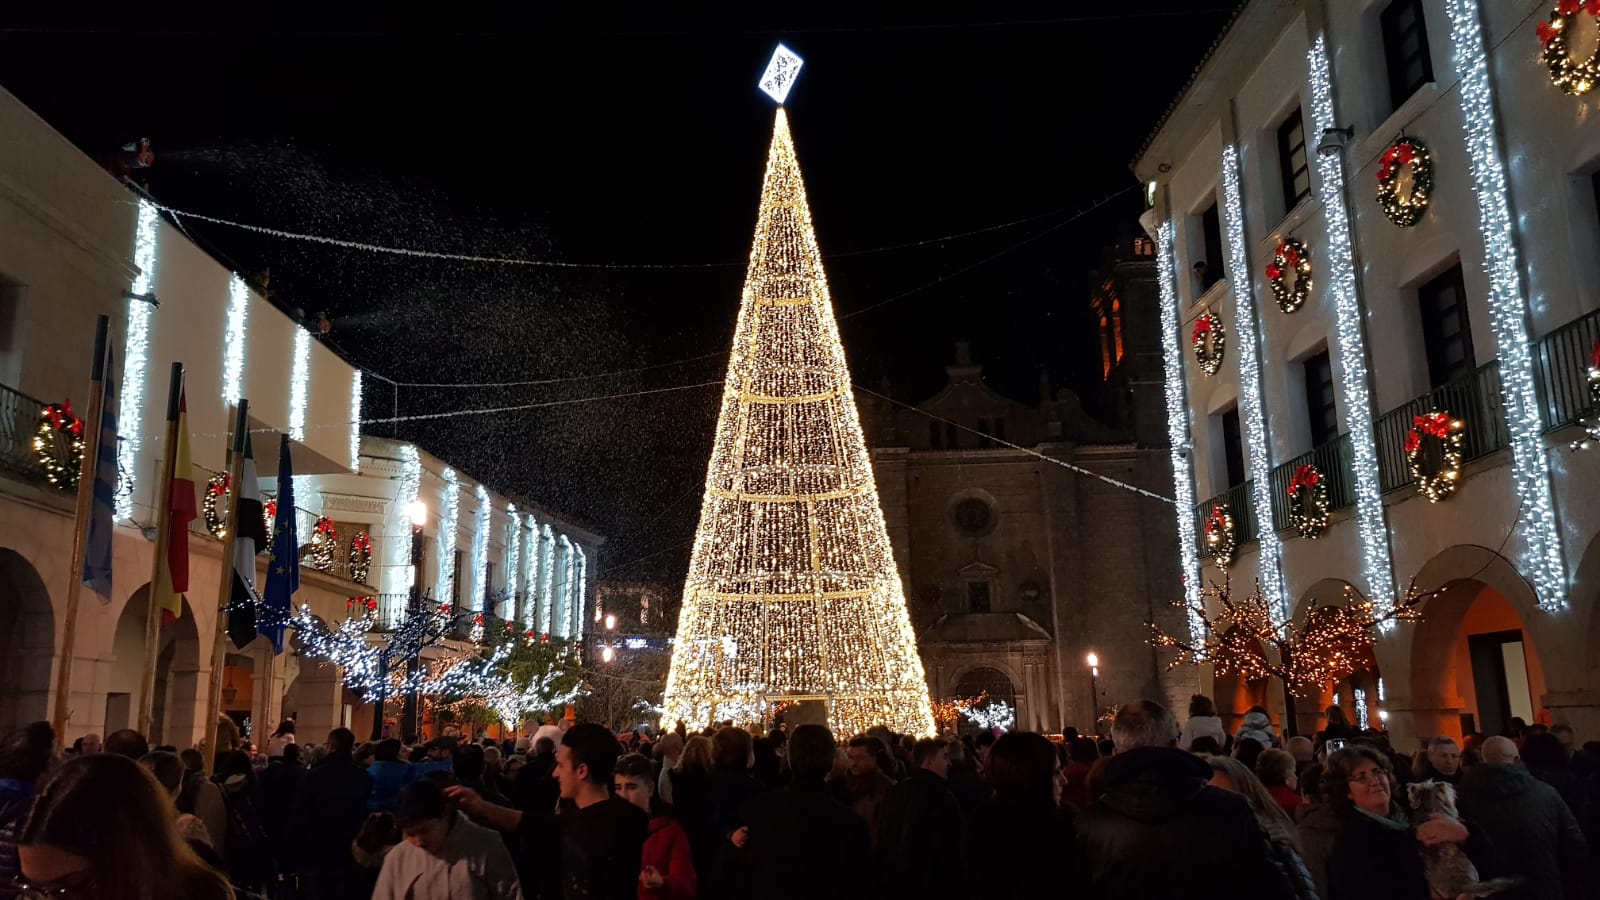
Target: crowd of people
578, 811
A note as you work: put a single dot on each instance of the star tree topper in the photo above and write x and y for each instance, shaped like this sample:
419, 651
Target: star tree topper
781, 73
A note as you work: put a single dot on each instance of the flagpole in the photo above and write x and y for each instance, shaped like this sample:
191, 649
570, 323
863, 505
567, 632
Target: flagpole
158, 563
80, 530
219, 640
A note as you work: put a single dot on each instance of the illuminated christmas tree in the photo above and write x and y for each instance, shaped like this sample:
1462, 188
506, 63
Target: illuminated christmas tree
792, 593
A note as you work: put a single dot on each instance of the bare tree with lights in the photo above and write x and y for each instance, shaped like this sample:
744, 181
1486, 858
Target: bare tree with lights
1329, 645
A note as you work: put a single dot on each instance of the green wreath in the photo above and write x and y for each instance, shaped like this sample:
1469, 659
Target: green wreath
1308, 502
1405, 211
1291, 255
1573, 76
1210, 341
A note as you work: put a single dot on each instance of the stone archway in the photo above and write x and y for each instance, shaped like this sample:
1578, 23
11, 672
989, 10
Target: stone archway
1359, 694
179, 697
987, 680
1234, 694
27, 642
1473, 662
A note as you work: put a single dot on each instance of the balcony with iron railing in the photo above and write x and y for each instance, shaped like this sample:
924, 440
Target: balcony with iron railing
19, 423
1474, 398
1561, 361
1237, 502
1334, 460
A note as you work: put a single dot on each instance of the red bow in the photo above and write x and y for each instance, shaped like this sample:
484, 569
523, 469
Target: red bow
326, 528
1202, 326
1273, 272
1547, 33
1217, 521
62, 419
1304, 477
1434, 424
218, 488
361, 542
1413, 442
372, 604
1406, 154
1567, 7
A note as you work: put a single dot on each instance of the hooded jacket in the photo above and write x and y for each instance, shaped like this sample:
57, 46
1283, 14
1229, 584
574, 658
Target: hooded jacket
1202, 726
667, 851
1534, 835
1257, 727
1158, 829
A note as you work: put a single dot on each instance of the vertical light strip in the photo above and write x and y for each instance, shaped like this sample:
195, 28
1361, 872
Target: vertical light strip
1508, 309
513, 560
233, 339
547, 565
1247, 327
400, 550
355, 421
1338, 266
530, 610
136, 357
1178, 434
578, 594
480, 549
448, 520
564, 623
299, 384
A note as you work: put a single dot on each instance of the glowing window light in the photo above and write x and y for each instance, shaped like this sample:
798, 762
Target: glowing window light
1339, 275
480, 549
233, 340
355, 421
136, 357
1250, 407
547, 566
299, 384
449, 518
782, 70
564, 615
1178, 434
513, 560
578, 592
1508, 309
1381, 694
1362, 720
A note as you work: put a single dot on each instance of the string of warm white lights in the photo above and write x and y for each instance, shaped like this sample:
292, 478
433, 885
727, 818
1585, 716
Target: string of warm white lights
480, 555
449, 518
1350, 333
530, 609
1178, 431
136, 358
582, 576
792, 593
1251, 410
1508, 308
547, 563
513, 560
355, 416
299, 384
564, 615
233, 340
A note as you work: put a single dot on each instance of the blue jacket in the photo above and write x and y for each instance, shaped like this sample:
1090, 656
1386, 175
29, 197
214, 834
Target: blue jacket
388, 777
15, 799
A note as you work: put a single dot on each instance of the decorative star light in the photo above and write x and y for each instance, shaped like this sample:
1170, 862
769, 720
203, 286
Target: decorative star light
781, 72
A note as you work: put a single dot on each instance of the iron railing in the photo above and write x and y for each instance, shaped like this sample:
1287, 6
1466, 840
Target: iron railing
1473, 398
1237, 501
1561, 360
19, 422
1334, 460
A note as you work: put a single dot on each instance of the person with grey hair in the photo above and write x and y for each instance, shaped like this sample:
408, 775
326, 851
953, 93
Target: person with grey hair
1158, 828
1535, 836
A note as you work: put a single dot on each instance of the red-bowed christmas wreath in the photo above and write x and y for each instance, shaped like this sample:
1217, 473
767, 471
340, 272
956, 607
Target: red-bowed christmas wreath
1446, 433
1405, 202
1210, 341
1220, 536
1291, 256
360, 557
58, 444
1308, 502
1574, 76
324, 538
215, 505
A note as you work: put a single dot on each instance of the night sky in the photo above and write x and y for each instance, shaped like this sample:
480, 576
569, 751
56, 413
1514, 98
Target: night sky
632, 139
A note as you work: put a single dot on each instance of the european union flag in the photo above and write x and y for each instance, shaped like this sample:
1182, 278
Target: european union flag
283, 571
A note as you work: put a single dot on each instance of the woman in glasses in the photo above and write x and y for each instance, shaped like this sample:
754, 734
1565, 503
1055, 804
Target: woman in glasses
104, 829
1378, 854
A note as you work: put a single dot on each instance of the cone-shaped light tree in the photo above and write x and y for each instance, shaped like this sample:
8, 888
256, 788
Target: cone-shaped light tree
792, 593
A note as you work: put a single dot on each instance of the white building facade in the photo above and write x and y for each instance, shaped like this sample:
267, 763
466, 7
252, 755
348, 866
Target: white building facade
1483, 310
76, 244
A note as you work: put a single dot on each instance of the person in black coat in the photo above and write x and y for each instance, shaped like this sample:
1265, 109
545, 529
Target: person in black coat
327, 815
278, 787
924, 839
1534, 834
1023, 822
800, 843
1156, 828
1377, 854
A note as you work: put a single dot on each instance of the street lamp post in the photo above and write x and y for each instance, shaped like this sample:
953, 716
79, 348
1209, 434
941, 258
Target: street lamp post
418, 512
1094, 690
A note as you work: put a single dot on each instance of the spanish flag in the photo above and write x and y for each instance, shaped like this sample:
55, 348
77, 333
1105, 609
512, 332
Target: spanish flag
181, 510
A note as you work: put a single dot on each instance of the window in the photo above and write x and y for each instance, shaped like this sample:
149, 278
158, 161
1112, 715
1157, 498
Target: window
973, 517
1446, 330
951, 435
935, 436
1319, 399
1292, 161
1405, 49
1211, 227
978, 596
1233, 447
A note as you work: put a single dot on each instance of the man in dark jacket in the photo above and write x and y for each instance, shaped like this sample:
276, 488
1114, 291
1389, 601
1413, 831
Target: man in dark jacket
1534, 835
1442, 762
803, 822
278, 787
24, 756
923, 838
1159, 829
327, 814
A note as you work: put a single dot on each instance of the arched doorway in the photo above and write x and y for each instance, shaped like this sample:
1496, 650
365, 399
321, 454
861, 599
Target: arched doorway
1235, 694
1359, 694
179, 690
1474, 665
28, 633
985, 680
